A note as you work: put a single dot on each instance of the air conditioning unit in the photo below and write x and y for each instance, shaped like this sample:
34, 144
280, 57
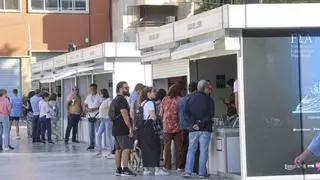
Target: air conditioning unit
170, 19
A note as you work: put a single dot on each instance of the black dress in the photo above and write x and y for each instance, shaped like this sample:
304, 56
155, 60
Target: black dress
150, 145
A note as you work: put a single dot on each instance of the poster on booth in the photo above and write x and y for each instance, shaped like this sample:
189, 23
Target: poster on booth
282, 101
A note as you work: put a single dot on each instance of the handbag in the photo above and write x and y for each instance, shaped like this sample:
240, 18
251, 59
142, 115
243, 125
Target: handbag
93, 119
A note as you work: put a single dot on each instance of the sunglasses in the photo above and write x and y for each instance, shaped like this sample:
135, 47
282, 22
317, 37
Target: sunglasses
126, 87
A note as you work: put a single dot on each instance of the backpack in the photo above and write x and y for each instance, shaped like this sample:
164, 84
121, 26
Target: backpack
112, 110
139, 117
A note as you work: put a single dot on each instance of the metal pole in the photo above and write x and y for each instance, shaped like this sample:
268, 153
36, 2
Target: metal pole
62, 109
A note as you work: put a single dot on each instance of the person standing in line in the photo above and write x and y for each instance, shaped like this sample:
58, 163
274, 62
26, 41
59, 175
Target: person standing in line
149, 140
161, 93
183, 121
122, 129
29, 113
16, 106
54, 113
36, 126
135, 94
74, 108
172, 129
199, 110
134, 100
45, 118
105, 124
5, 109
92, 104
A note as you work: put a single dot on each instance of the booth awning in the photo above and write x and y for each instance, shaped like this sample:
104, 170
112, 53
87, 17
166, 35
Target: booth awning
155, 55
191, 49
72, 71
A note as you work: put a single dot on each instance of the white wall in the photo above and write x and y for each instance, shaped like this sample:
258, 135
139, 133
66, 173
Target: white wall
207, 69
102, 80
132, 71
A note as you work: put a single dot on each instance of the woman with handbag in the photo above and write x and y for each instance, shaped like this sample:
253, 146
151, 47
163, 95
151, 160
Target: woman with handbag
148, 135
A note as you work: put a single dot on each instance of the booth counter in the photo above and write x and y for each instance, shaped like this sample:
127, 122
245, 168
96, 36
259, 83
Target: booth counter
224, 152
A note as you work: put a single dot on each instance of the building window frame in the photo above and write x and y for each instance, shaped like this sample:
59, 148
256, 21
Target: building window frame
11, 10
59, 9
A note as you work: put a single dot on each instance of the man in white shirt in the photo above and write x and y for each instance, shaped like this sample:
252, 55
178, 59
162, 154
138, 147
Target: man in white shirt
92, 104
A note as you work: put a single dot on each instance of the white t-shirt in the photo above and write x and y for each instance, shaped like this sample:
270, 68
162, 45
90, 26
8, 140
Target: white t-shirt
104, 109
235, 86
44, 109
148, 106
93, 101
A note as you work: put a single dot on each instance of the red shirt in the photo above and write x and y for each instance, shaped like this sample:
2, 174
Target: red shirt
4, 106
169, 114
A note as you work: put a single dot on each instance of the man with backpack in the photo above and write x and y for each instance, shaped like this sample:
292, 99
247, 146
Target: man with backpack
122, 129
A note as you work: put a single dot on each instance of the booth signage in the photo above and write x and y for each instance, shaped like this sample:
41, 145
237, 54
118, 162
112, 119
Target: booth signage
60, 61
37, 67
48, 64
206, 22
74, 57
94, 52
155, 37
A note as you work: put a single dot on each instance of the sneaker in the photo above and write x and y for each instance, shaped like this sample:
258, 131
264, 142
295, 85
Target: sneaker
203, 177
126, 172
110, 156
186, 175
99, 154
6, 149
180, 170
147, 173
51, 142
118, 172
10, 147
91, 148
76, 141
161, 172
18, 137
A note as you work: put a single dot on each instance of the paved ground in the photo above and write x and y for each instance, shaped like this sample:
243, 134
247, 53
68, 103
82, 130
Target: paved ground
58, 162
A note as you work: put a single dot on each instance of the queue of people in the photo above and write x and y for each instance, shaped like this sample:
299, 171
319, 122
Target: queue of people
152, 118
184, 119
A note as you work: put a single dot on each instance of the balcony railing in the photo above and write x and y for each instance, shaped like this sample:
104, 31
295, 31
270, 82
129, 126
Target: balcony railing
157, 2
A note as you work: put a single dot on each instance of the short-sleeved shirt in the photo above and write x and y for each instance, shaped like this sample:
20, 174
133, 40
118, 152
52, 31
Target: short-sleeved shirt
147, 107
119, 127
235, 86
16, 106
104, 109
169, 113
93, 101
35, 105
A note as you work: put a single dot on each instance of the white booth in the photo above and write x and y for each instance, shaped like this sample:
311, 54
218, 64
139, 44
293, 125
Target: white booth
104, 64
272, 50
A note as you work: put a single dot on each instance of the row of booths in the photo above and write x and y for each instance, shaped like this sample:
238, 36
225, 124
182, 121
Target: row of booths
105, 64
272, 50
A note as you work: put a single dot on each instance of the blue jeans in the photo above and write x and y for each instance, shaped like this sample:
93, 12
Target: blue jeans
4, 130
203, 138
93, 128
105, 127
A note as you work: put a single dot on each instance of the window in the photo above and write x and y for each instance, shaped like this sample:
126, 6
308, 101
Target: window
58, 5
9, 5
